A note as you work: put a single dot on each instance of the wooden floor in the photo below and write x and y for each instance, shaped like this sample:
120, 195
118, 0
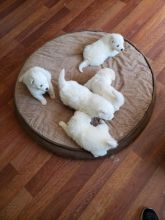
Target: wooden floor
34, 183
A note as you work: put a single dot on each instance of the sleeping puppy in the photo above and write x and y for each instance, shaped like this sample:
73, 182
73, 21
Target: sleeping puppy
96, 140
96, 53
81, 98
101, 85
38, 82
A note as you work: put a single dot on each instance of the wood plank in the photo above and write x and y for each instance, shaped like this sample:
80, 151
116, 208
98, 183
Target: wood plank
9, 149
37, 23
142, 173
6, 110
135, 20
88, 16
10, 8
50, 3
148, 195
55, 28
25, 174
157, 48
35, 185
60, 14
10, 41
81, 176
5, 4
151, 31
111, 188
16, 205
158, 63
108, 14
124, 12
19, 14
54, 185
87, 193
28, 155
142, 146
6, 174
160, 77
12, 61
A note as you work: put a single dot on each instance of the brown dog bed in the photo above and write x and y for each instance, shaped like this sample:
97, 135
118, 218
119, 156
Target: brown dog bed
134, 78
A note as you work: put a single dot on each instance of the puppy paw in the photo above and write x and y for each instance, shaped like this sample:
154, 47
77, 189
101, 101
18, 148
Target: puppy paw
52, 96
102, 121
99, 153
61, 123
43, 101
114, 144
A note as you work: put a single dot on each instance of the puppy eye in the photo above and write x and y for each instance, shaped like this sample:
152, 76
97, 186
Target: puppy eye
41, 85
117, 45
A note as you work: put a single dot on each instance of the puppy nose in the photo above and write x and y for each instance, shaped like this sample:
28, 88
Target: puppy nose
121, 49
46, 89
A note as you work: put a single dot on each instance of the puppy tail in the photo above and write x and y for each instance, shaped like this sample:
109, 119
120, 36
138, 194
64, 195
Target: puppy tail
83, 64
63, 125
61, 79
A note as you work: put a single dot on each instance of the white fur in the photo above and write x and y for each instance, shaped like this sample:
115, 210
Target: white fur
96, 140
81, 98
101, 85
38, 81
96, 53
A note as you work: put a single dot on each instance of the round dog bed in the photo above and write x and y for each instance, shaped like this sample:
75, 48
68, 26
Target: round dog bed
134, 78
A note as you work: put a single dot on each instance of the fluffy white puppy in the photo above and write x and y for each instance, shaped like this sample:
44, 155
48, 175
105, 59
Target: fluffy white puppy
38, 82
96, 53
81, 98
101, 85
96, 140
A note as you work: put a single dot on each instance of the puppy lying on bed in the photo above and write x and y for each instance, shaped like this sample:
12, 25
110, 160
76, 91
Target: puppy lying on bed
38, 81
81, 98
101, 85
96, 140
96, 53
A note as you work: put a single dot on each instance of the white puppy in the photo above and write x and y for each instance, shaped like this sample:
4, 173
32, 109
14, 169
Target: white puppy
38, 81
81, 98
96, 140
96, 53
101, 85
